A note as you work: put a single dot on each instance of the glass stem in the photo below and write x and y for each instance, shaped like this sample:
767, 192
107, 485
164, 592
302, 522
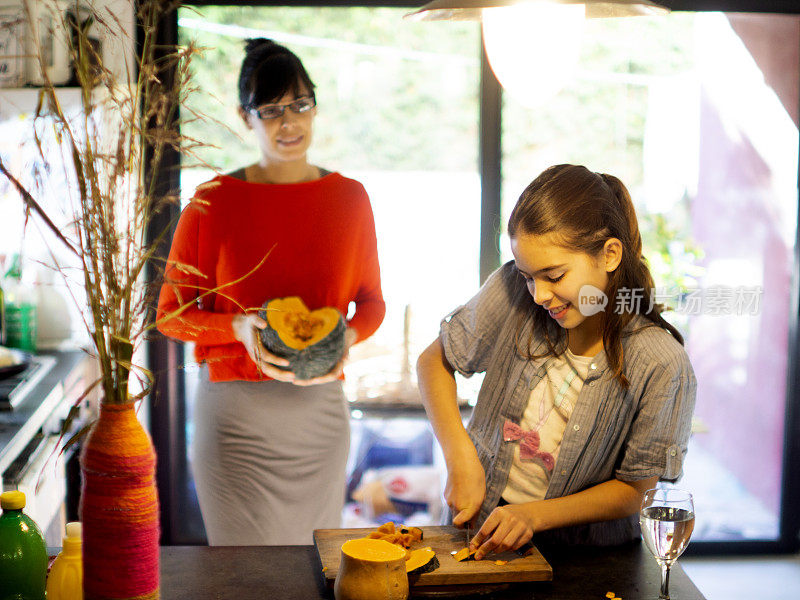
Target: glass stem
664, 582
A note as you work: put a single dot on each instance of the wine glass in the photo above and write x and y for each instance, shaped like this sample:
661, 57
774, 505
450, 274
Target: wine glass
667, 521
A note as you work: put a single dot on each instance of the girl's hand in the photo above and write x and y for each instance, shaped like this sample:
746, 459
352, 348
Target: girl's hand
245, 329
350, 337
465, 488
507, 528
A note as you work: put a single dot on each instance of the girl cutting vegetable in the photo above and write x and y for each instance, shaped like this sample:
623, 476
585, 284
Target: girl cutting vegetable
584, 405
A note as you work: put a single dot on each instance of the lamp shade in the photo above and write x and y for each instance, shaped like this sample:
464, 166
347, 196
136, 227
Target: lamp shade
471, 10
533, 48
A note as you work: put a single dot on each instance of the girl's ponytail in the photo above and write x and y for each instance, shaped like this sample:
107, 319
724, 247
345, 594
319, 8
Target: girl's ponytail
640, 277
622, 196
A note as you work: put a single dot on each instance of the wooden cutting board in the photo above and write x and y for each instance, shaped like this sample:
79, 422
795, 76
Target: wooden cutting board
443, 540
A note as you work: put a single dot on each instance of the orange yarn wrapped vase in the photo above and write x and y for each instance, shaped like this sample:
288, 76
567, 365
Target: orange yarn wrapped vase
119, 508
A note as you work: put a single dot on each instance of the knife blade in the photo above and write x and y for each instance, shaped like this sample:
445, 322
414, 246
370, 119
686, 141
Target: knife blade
525, 549
469, 537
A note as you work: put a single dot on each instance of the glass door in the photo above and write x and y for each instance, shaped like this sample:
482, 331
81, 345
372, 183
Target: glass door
397, 111
697, 113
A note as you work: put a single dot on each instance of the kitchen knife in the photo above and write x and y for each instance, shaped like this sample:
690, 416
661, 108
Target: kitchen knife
525, 549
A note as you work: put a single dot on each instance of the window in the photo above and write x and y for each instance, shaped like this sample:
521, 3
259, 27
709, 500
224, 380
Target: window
666, 104
397, 111
692, 112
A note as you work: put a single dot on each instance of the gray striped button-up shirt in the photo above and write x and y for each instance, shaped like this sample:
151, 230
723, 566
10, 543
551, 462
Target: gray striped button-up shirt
628, 434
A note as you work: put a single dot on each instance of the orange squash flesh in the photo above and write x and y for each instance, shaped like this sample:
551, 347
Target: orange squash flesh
373, 550
464, 554
297, 326
371, 569
418, 561
397, 534
422, 560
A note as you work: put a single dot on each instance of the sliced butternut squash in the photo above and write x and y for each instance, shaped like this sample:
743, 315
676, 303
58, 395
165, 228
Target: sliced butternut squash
422, 560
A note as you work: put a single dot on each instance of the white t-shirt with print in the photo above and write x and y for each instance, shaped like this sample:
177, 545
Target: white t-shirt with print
549, 407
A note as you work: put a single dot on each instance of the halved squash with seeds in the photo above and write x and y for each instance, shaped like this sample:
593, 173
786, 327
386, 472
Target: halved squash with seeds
312, 340
422, 560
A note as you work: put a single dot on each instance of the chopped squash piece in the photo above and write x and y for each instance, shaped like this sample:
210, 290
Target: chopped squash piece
415, 532
465, 554
397, 534
387, 528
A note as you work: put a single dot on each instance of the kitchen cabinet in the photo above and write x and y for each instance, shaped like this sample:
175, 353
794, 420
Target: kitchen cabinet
117, 50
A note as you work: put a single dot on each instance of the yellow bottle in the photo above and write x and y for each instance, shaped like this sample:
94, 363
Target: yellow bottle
65, 581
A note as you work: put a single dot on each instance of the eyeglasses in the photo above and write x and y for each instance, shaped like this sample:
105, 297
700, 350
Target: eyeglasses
273, 111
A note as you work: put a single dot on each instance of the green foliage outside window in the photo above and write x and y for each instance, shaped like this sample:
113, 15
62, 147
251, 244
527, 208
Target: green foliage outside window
368, 66
377, 109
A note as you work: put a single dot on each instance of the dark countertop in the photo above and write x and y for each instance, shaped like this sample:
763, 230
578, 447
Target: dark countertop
294, 573
18, 426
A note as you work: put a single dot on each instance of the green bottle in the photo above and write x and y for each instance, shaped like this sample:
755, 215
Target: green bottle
23, 556
2, 318
20, 309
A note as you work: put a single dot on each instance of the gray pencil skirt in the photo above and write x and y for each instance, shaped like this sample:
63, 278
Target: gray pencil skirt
269, 460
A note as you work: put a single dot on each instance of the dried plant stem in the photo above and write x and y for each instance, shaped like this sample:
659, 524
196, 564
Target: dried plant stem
115, 195
31, 203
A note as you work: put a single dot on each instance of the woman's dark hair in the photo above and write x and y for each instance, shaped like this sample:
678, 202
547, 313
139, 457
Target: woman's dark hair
269, 71
585, 209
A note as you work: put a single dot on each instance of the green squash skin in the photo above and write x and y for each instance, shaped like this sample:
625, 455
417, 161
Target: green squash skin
314, 361
429, 566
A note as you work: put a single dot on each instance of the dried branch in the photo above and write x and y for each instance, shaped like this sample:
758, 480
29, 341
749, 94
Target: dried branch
111, 151
34, 206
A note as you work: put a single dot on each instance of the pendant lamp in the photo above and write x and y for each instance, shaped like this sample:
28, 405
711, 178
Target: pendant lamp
471, 10
533, 45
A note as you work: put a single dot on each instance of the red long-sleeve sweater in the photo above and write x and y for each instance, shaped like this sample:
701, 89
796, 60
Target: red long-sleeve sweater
252, 242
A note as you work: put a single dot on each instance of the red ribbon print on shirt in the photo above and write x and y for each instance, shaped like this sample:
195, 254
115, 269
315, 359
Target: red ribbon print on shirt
528, 444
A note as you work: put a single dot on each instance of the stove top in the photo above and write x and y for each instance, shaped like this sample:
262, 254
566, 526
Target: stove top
14, 389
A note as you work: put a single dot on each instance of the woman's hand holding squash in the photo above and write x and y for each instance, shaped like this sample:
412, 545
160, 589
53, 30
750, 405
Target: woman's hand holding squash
350, 337
245, 329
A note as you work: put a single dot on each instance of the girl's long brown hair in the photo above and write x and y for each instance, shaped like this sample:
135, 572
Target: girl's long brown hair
585, 209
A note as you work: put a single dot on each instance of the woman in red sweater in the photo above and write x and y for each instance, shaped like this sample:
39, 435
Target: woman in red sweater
269, 451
